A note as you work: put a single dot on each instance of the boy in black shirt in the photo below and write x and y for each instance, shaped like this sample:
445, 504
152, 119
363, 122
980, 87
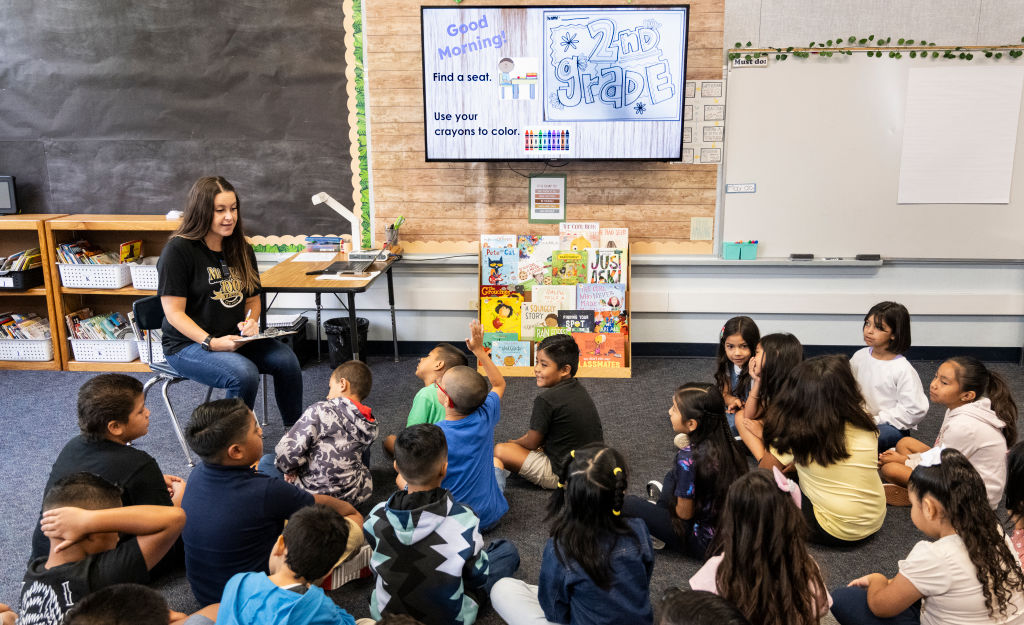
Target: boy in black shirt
82, 517
564, 417
112, 413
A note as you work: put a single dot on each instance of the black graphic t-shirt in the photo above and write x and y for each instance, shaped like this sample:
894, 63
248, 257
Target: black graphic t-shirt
47, 594
213, 300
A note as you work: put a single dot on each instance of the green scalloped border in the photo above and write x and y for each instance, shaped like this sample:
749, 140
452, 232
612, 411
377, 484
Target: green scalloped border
364, 146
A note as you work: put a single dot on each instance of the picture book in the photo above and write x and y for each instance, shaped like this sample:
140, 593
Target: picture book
568, 267
535, 259
576, 320
501, 314
542, 332
561, 295
497, 241
578, 235
130, 251
511, 353
614, 238
498, 265
610, 321
490, 338
535, 314
605, 266
601, 350
487, 290
601, 296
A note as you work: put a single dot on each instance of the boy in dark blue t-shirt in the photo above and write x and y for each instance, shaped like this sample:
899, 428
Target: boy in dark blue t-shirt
234, 513
471, 413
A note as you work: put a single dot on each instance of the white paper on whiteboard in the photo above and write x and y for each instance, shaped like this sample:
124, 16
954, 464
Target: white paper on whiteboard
959, 135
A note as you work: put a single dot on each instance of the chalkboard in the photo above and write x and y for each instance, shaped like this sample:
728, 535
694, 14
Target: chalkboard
115, 107
821, 139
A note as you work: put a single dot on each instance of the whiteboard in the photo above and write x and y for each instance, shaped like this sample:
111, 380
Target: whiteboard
822, 140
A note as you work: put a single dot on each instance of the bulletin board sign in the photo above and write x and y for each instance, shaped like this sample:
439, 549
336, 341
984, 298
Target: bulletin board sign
547, 198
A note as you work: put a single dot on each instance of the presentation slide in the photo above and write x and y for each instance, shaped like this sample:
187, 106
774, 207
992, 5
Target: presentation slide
516, 83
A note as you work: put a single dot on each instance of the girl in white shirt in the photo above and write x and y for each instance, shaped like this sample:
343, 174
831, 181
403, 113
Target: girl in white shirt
967, 574
891, 388
980, 422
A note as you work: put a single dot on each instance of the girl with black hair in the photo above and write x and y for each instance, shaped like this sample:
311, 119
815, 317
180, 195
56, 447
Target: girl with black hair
980, 422
736, 344
967, 574
775, 357
763, 566
686, 512
817, 421
597, 564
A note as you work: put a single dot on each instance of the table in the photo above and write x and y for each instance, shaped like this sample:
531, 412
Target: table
290, 277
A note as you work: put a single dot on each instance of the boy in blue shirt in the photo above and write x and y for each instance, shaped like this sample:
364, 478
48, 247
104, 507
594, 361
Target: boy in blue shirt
471, 413
234, 513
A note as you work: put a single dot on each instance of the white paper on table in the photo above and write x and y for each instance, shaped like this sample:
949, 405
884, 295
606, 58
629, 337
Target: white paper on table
353, 277
314, 257
959, 135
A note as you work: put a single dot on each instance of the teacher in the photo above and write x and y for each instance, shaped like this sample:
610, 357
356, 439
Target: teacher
209, 288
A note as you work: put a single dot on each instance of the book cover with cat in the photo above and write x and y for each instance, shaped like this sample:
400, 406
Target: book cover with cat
499, 265
601, 350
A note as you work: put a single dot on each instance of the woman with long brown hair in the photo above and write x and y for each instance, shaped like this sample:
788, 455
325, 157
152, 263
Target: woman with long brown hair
209, 287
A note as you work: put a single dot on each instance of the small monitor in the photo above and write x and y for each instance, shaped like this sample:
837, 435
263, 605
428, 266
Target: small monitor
8, 203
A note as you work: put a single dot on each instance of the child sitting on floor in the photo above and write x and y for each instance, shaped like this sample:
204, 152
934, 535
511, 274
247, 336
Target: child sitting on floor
82, 516
471, 414
426, 407
967, 573
564, 417
111, 414
235, 514
980, 422
327, 451
409, 529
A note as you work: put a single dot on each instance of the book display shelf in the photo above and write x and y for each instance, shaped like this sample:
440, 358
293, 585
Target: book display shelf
21, 232
106, 232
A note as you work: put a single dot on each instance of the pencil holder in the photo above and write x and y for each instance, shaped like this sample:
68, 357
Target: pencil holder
740, 250
392, 236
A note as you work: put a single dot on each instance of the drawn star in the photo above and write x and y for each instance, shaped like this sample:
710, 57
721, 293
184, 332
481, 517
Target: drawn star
640, 108
569, 40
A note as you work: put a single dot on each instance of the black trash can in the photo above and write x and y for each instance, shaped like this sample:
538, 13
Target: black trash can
339, 340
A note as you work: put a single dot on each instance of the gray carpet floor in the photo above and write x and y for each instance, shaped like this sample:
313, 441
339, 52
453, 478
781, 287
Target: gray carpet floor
37, 410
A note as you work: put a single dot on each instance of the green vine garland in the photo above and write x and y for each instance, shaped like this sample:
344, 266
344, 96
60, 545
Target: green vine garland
914, 49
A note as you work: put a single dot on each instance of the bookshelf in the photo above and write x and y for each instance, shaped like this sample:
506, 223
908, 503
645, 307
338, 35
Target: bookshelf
107, 232
19, 232
622, 372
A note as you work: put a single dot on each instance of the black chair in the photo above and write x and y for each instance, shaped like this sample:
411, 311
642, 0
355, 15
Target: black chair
149, 315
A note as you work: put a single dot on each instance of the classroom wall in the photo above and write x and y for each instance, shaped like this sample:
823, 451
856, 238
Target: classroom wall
456, 202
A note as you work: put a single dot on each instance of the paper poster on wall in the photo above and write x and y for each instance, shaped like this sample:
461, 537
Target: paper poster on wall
521, 83
704, 121
547, 198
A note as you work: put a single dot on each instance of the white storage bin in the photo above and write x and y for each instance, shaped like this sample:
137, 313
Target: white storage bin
158, 352
94, 276
144, 276
94, 350
26, 349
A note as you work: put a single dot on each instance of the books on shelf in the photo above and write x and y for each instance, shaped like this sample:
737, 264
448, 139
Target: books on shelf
82, 324
600, 296
579, 235
604, 266
499, 260
601, 350
82, 252
130, 251
568, 267
23, 260
24, 326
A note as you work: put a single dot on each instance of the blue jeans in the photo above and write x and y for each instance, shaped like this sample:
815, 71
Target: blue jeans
503, 559
238, 372
850, 607
888, 436
658, 518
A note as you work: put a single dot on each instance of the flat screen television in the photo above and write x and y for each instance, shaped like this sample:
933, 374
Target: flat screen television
554, 82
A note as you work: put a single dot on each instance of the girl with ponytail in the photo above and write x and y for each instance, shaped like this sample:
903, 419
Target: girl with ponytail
980, 422
597, 564
968, 573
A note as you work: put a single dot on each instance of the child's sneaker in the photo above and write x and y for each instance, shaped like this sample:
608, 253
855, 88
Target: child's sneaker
656, 544
682, 441
896, 495
653, 490
354, 566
